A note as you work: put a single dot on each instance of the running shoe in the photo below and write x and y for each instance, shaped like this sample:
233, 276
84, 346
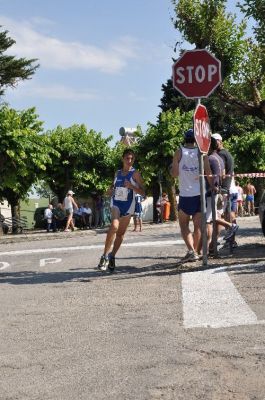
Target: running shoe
103, 263
190, 256
231, 231
111, 265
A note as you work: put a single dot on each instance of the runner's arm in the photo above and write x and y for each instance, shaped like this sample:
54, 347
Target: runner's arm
175, 164
140, 184
208, 172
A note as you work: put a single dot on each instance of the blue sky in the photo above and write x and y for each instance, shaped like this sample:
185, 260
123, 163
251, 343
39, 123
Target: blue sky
102, 63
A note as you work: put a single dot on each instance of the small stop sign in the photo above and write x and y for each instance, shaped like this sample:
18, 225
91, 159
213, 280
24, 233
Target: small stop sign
196, 73
202, 131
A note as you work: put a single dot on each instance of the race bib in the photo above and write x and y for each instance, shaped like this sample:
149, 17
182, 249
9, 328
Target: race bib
121, 194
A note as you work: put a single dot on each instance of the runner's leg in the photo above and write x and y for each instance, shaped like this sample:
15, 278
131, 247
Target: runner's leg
115, 215
124, 222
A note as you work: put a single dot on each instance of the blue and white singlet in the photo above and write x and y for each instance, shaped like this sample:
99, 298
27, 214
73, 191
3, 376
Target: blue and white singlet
124, 198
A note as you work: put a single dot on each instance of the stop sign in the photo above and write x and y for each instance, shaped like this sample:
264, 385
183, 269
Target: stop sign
196, 73
202, 131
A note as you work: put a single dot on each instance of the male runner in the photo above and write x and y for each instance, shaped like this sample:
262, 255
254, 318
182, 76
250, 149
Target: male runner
127, 182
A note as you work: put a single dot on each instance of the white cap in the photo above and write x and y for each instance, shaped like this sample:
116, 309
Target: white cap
70, 192
217, 136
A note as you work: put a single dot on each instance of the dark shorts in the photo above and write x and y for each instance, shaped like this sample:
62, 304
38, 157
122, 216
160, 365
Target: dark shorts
190, 205
233, 199
250, 197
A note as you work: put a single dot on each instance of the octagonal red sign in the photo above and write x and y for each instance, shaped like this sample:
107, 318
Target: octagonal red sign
197, 73
202, 130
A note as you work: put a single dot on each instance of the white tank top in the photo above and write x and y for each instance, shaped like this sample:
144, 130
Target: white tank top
68, 205
189, 182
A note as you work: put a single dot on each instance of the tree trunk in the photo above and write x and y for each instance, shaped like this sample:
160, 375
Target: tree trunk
173, 203
15, 212
156, 193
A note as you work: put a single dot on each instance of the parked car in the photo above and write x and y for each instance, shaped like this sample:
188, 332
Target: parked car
262, 212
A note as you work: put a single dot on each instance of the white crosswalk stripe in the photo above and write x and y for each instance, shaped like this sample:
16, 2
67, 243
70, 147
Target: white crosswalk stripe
210, 299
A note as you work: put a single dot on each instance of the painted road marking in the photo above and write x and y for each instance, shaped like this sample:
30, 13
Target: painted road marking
91, 247
44, 261
4, 265
211, 300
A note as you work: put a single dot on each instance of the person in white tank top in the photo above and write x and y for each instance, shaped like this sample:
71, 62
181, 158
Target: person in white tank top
69, 205
185, 166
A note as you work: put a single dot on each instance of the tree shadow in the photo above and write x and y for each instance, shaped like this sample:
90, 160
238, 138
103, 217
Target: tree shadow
247, 254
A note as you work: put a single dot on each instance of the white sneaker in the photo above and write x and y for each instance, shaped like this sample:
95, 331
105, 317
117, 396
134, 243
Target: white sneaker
231, 231
67, 230
191, 256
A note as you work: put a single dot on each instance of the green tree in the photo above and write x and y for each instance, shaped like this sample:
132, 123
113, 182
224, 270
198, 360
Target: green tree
156, 148
24, 154
13, 69
83, 161
256, 9
206, 24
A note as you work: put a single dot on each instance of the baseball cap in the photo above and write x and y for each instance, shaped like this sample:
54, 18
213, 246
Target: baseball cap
217, 136
70, 192
189, 134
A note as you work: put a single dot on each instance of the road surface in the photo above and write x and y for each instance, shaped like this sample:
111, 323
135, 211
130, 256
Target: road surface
154, 330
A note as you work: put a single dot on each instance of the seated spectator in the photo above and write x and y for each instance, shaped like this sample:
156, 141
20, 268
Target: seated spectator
48, 216
78, 217
59, 217
163, 203
87, 215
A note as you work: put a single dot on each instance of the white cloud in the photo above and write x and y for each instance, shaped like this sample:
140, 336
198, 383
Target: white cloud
53, 92
134, 96
57, 54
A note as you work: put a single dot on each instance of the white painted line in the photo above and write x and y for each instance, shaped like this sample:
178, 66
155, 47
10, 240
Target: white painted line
211, 300
44, 261
4, 265
91, 247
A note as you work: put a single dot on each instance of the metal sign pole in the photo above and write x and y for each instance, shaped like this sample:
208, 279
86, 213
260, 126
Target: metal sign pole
214, 235
203, 206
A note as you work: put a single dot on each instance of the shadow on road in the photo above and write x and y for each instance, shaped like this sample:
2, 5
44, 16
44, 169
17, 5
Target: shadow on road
247, 254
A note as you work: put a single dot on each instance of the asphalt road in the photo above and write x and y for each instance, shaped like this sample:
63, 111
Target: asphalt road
154, 330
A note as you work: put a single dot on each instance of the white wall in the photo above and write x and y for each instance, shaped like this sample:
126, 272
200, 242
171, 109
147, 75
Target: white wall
5, 210
148, 209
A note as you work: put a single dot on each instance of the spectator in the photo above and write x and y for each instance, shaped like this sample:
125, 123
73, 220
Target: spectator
87, 216
240, 192
99, 212
218, 169
138, 212
78, 217
48, 216
164, 202
59, 217
250, 192
227, 179
186, 166
69, 206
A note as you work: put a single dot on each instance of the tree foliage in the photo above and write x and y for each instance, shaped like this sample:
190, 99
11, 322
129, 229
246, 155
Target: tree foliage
256, 9
83, 161
24, 153
206, 24
155, 150
156, 147
13, 69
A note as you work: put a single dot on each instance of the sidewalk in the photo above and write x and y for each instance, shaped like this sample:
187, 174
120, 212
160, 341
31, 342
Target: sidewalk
37, 235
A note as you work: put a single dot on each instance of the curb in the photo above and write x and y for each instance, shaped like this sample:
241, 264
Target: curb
43, 235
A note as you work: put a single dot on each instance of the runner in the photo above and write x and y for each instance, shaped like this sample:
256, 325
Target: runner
127, 182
